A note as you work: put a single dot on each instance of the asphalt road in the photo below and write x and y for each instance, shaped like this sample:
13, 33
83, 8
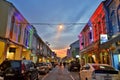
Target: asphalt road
60, 73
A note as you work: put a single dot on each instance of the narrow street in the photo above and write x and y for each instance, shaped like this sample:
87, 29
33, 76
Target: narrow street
60, 40
60, 73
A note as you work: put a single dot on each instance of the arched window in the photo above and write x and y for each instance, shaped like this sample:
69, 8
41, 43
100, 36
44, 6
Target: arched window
12, 26
118, 16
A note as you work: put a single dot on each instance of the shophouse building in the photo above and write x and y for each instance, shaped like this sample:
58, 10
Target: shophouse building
86, 43
74, 49
15, 33
103, 30
90, 36
112, 46
18, 38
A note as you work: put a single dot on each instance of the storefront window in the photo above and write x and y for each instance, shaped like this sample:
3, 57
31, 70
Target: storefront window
119, 57
105, 58
91, 58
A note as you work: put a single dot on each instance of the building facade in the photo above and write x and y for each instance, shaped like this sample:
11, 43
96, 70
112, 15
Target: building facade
18, 38
90, 36
74, 49
100, 38
112, 46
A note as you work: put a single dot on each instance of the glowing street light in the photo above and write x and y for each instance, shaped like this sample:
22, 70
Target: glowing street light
59, 31
60, 27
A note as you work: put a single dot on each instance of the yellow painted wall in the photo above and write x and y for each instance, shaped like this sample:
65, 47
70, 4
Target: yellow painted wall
26, 54
2, 55
18, 55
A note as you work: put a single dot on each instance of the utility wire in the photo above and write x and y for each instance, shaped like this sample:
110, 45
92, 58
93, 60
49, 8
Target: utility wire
54, 23
72, 23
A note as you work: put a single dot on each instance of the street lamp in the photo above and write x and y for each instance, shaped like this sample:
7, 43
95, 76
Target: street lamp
60, 27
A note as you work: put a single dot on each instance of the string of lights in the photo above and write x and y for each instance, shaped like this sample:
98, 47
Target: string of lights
81, 23
54, 23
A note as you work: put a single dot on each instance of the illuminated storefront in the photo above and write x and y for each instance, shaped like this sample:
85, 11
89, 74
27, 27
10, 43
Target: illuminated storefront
2, 50
90, 36
112, 46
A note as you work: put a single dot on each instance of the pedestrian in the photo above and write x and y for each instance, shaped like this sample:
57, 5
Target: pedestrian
64, 63
60, 63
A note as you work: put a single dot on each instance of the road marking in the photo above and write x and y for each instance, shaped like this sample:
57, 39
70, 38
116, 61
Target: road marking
72, 77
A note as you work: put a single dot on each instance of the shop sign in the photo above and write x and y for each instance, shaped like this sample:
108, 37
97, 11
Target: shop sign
103, 38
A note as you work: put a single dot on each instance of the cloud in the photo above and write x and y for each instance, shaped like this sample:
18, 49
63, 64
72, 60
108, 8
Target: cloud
61, 52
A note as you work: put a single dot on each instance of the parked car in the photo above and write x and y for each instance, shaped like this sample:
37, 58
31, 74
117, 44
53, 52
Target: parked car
92, 71
74, 66
50, 65
42, 68
18, 70
1, 78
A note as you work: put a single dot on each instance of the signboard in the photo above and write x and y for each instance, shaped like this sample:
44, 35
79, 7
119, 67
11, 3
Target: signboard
77, 56
103, 38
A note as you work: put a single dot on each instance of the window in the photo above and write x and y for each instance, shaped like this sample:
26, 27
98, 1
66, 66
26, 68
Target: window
19, 32
12, 26
90, 35
26, 37
118, 16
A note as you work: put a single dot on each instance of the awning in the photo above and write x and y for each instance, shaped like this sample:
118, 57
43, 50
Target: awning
89, 48
110, 42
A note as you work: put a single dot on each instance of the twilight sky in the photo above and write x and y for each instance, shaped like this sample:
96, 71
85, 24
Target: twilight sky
46, 15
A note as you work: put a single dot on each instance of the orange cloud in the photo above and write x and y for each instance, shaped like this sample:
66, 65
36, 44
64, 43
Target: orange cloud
61, 52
